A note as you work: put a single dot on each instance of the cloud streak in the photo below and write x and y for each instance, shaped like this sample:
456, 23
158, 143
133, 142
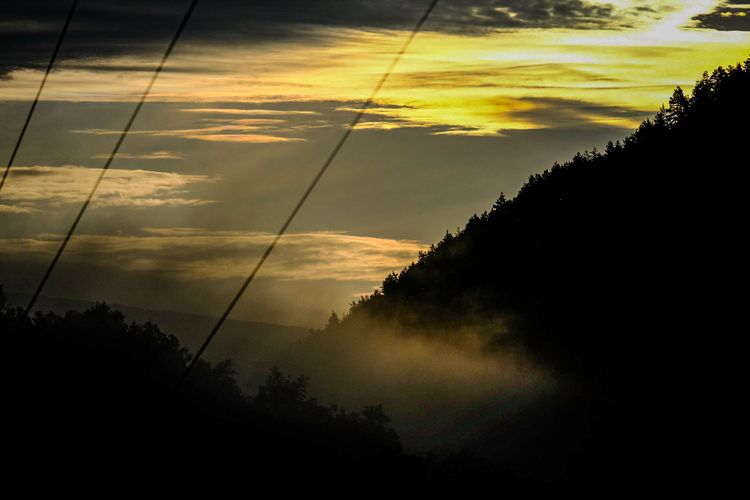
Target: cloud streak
155, 155
193, 254
248, 112
30, 189
236, 125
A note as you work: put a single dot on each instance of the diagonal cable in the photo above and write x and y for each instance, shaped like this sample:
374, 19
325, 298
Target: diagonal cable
307, 192
104, 169
38, 93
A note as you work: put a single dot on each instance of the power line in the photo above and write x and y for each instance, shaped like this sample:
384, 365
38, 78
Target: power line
307, 192
38, 93
119, 142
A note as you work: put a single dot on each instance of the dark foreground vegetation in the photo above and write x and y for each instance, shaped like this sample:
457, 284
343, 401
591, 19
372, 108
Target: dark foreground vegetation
588, 265
90, 401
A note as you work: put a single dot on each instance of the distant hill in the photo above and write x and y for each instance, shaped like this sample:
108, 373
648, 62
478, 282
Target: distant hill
252, 346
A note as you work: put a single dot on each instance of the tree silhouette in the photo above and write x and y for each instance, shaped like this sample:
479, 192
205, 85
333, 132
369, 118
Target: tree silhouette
333, 320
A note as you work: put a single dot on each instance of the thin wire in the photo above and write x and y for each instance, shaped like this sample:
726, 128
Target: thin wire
306, 194
38, 93
112, 156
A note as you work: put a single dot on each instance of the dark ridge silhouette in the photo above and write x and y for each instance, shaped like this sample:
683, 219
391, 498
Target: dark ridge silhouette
587, 262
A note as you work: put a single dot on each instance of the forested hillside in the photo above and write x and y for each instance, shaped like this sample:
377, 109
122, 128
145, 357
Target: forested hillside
589, 262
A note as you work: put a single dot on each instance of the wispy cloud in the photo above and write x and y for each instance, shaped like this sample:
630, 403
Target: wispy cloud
17, 209
231, 132
257, 126
155, 155
32, 188
196, 254
247, 112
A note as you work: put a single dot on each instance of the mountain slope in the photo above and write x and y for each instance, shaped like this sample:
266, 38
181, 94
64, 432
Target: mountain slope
590, 262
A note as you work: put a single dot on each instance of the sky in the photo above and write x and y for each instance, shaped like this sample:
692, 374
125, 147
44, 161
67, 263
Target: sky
254, 98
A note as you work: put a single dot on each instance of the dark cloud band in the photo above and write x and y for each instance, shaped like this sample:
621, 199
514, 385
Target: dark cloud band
727, 18
105, 28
